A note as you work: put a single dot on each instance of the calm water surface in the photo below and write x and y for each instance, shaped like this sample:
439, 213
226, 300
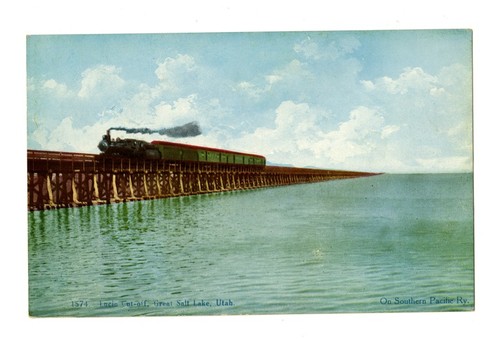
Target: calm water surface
376, 244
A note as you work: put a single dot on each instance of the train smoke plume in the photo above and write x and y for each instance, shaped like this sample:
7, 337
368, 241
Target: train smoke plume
187, 130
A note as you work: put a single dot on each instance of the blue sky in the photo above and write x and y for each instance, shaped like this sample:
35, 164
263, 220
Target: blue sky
391, 101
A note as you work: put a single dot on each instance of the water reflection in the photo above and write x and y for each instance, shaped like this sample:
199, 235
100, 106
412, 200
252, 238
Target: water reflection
313, 248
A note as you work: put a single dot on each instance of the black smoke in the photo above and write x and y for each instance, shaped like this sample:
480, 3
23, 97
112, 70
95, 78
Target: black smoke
187, 130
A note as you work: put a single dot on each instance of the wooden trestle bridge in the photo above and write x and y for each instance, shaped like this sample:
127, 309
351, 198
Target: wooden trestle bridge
64, 179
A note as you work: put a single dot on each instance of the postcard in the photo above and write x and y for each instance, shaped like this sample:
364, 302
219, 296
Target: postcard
250, 173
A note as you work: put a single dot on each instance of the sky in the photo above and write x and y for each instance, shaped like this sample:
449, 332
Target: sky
386, 101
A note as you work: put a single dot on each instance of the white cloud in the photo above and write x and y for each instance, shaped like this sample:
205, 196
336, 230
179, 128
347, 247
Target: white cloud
171, 71
59, 90
249, 89
179, 112
290, 72
139, 105
389, 130
437, 91
315, 48
273, 78
293, 122
286, 78
412, 79
100, 81
66, 136
437, 115
360, 136
347, 45
157, 106
452, 81
368, 85
290, 115
49, 87
308, 48
62, 137
299, 138
436, 112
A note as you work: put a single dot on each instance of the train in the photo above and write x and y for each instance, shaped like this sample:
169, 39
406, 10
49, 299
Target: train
134, 148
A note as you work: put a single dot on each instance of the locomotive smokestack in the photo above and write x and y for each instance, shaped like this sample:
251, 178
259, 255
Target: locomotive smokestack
187, 130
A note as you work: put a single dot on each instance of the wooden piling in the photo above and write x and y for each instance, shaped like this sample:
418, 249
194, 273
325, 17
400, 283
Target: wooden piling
58, 179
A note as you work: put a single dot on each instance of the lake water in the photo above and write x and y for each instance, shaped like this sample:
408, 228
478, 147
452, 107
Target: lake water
378, 244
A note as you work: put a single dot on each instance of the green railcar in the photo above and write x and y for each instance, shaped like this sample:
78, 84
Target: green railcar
193, 153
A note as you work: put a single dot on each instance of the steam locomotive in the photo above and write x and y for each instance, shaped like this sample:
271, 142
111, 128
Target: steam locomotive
134, 148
